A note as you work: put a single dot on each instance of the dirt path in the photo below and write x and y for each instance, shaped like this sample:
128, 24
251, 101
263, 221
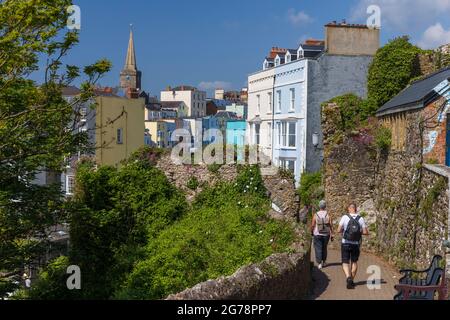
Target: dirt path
329, 283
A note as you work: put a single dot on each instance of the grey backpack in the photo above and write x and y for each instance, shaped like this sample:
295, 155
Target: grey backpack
323, 224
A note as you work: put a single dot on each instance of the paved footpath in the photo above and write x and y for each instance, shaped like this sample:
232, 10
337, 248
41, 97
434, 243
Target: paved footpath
329, 283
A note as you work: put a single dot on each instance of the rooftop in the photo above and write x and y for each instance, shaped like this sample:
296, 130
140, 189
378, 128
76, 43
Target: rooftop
70, 91
344, 24
227, 114
416, 95
182, 88
170, 104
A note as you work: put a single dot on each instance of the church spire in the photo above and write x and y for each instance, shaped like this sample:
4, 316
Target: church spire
130, 77
130, 62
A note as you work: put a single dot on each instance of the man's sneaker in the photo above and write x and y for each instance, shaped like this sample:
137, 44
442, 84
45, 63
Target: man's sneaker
320, 266
324, 264
350, 284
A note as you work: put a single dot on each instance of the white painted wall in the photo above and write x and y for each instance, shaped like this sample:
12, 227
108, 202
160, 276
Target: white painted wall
261, 85
194, 100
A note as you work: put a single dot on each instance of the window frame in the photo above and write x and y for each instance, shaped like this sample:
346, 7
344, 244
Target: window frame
284, 135
119, 136
279, 102
70, 187
257, 134
284, 164
270, 103
258, 104
292, 103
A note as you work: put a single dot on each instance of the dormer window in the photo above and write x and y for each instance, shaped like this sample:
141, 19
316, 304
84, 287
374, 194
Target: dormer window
266, 65
277, 61
288, 57
300, 53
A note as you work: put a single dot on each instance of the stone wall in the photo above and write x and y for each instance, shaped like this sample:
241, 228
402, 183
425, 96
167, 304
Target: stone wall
279, 277
347, 180
281, 190
412, 209
404, 201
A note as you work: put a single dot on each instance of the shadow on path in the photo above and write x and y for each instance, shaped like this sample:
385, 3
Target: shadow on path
330, 283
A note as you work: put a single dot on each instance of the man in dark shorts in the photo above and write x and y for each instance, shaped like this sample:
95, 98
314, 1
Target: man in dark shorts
353, 227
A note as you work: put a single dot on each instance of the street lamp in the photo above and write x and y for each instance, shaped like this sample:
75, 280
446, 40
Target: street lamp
315, 139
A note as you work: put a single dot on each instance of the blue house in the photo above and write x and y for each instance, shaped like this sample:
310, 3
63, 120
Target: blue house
236, 136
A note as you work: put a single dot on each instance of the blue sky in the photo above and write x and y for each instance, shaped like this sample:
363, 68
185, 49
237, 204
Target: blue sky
208, 43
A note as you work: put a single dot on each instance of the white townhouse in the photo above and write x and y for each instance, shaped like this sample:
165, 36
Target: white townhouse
277, 110
194, 99
285, 97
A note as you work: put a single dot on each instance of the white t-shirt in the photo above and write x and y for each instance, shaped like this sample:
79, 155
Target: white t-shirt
344, 223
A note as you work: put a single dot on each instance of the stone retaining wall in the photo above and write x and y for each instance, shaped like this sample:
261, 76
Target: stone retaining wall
279, 277
404, 202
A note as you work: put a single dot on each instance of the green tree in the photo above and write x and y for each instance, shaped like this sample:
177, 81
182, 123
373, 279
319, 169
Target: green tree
393, 67
226, 228
52, 282
37, 125
114, 214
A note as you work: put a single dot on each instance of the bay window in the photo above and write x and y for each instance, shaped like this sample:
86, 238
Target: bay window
286, 134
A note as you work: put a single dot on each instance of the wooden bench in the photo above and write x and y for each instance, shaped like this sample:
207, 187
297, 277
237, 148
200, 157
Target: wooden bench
414, 287
420, 277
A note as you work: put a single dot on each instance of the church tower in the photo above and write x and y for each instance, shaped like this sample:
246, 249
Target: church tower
130, 77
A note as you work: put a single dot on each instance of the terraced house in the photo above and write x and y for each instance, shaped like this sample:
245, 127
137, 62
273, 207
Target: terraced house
285, 97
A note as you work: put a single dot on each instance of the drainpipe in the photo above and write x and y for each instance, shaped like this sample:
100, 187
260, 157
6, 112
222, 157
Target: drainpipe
447, 242
273, 118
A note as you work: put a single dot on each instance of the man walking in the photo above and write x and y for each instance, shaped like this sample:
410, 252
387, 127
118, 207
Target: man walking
322, 231
353, 227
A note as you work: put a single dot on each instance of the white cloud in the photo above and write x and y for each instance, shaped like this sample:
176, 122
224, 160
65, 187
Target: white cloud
211, 85
404, 15
434, 37
298, 18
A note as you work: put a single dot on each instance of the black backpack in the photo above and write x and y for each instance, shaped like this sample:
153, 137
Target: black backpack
353, 231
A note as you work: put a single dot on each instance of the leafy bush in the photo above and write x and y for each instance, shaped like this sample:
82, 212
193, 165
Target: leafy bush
311, 190
52, 280
225, 230
383, 139
249, 181
391, 70
286, 174
113, 215
214, 168
193, 183
349, 111
134, 237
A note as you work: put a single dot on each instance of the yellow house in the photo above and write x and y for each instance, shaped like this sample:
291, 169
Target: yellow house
119, 128
159, 133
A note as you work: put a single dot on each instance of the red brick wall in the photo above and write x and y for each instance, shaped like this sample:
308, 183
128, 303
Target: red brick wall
437, 125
